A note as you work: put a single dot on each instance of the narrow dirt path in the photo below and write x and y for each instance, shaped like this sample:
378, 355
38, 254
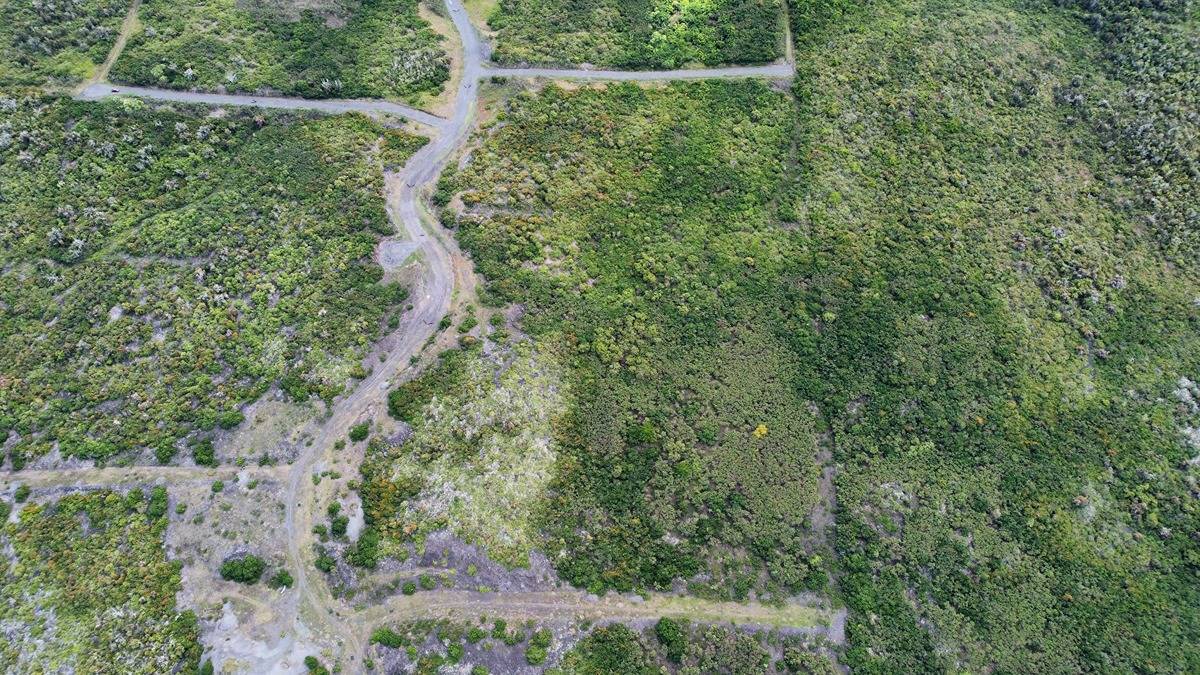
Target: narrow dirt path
127, 26
313, 604
135, 475
781, 71
97, 91
573, 604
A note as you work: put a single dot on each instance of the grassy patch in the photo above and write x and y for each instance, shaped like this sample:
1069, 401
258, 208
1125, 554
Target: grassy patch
480, 450
163, 268
373, 48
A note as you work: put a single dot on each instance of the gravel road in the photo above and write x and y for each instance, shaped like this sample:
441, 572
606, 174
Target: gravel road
782, 71
101, 90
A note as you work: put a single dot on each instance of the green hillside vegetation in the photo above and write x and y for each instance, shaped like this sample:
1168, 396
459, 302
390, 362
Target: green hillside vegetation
641, 34
637, 226
362, 49
162, 268
1000, 351
88, 589
964, 247
56, 42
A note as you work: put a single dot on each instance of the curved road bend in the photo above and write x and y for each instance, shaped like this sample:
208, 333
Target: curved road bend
431, 301
102, 90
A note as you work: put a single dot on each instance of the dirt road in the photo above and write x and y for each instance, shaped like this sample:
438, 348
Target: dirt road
102, 90
781, 71
574, 604
430, 300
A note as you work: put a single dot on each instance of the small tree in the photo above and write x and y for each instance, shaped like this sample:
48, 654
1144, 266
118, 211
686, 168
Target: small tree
245, 569
281, 579
539, 648
203, 453
674, 641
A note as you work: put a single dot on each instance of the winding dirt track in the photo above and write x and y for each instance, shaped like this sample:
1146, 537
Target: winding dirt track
313, 615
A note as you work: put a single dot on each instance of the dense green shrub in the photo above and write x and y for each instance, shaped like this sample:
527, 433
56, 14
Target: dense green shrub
799, 661
338, 525
281, 579
204, 454
611, 649
365, 551
313, 665
538, 648
21, 493
405, 401
324, 562
409, 588
230, 419
388, 638
673, 638
383, 50
244, 569
157, 507
359, 432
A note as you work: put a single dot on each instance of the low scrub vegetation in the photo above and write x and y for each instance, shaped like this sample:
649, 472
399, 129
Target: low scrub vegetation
617, 648
161, 268
87, 588
479, 459
58, 42
373, 48
640, 34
